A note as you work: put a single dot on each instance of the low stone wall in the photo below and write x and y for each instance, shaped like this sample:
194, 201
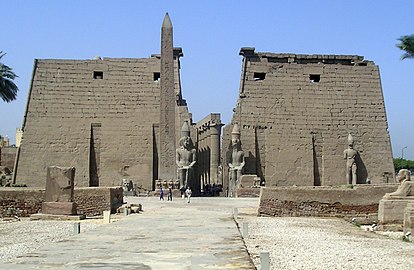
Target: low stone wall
92, 201
7, 156
23, 202
248, 192
360, 201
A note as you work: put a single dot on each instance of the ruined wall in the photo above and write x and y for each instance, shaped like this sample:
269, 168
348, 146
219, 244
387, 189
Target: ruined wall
295, 113
360, 201
99, 116
93, 201
7, 156
23, 202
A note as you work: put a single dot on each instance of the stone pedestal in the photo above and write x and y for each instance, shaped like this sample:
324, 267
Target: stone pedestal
59, 191
409, 218
391, 210
59, 208
247, 181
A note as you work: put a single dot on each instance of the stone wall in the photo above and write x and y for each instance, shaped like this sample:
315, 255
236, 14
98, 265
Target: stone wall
99, 116
7, 156
91, 201
296, 111
21, 202
359, 201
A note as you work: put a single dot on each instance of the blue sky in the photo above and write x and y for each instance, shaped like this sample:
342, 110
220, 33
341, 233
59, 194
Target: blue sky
211, 34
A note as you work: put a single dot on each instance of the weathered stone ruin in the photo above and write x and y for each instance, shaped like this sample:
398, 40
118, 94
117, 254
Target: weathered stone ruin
120, 118
395, 209
185, 158
59, 191
102, 116
295, 113
7, 158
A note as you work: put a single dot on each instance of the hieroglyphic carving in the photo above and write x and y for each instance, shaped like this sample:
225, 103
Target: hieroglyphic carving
167, 103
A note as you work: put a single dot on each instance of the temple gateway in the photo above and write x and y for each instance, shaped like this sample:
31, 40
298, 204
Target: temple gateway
122, 118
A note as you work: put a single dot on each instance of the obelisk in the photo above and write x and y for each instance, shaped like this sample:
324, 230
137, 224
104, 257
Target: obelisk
167, 167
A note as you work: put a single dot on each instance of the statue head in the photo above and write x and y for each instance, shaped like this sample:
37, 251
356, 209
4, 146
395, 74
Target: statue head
350, 141
126, 184
235, 136
403, 175
235, 142
185, 130
186, 142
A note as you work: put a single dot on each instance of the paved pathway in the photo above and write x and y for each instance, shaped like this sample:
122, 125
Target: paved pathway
167, 235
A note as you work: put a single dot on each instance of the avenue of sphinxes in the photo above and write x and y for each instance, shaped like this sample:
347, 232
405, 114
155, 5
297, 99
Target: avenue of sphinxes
121, 118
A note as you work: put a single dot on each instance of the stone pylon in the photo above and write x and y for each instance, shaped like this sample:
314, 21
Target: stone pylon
166, 166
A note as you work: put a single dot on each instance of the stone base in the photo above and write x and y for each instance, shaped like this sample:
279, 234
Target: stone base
129, 193
409, 218
390, 227
57, 217
248, 181
59, 208
391, 210
248, 192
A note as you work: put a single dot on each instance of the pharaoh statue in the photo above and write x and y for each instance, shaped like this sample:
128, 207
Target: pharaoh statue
236, 162
128, 187
185, 157
406, 185
350, 155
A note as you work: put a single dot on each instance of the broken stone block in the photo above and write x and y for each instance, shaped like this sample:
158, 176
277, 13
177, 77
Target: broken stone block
59, 208
59, 191
248, 180
60, 184
409, 219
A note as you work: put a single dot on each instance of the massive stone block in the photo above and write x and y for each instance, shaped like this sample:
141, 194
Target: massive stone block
100, 116
296, 111
59, 191
391, 211
409, 219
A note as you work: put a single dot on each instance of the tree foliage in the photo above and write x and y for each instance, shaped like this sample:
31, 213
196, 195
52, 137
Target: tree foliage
400, 163
406, 44
8, 90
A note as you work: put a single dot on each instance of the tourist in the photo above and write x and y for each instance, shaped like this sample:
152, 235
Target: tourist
188, 194
161, 194
170, 194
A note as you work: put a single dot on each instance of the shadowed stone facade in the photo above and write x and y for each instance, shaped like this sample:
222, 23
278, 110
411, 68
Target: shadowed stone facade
295, 113
115, 119
99, 116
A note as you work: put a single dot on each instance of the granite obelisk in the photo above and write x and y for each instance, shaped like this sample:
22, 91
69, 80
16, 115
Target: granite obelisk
167, 166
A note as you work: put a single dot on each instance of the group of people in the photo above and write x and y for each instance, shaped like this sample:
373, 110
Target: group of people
185, 193
212, 190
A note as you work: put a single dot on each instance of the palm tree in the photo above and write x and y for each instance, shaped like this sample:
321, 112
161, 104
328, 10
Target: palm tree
406, 44
8, 90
